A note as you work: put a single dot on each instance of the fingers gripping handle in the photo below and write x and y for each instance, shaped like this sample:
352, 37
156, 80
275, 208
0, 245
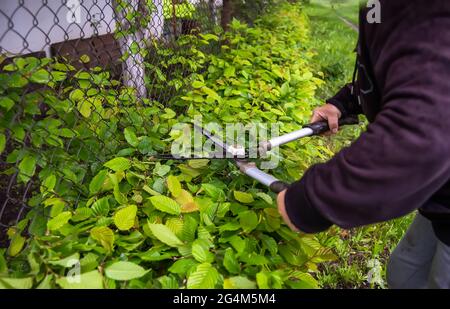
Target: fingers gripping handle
322, 126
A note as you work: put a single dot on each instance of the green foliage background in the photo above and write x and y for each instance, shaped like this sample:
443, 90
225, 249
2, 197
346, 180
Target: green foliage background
104, 208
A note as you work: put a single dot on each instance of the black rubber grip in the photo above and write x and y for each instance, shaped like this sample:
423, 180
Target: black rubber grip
322, 126
278, 186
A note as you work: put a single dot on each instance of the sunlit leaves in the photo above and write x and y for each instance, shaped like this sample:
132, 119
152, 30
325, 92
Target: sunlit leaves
59, 221
124, 271
165, 235
174, 185
165, 204
118, 164
89, 280
124, 217
243, 197
104, 235
205, 276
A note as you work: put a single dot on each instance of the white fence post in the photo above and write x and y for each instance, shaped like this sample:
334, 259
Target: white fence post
133, 66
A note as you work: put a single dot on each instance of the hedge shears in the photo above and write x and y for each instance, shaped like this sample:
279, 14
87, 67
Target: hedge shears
240, 155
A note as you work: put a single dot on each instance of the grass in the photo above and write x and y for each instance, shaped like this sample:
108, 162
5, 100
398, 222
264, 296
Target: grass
362, 253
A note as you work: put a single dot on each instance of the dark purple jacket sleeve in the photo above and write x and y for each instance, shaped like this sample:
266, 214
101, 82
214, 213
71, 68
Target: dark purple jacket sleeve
346, 101
404, 156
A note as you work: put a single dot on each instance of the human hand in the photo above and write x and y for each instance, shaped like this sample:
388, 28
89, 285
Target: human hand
329, 113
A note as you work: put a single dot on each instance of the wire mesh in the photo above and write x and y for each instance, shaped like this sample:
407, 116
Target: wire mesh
69, 72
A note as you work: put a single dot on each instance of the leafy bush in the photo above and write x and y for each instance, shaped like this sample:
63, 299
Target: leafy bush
104, 209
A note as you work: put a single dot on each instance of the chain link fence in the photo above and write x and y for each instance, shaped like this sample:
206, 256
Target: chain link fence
75, 73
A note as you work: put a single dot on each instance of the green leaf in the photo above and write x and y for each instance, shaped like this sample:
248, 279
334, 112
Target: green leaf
230, 262
124, 218
16, 245
299, 280
40, 77
262, 278
182, 266
229, 71
199, 163
243, 197
27, 167
97, 182
82, 214
2, 142
85, 108
119, 196
213, 191
57, 222
200, 251
174, 185
270, 244
3, 264
265, 197
161, 170
68, 261
105, 236
134, 48
248, 220
6, 103
118, 164
76, 95
165, 235
238, 282
49, 183
85, 59
89, 280
131, 137
16, 283
205, 276
198, 84
165, 204
101, 207
124, 271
